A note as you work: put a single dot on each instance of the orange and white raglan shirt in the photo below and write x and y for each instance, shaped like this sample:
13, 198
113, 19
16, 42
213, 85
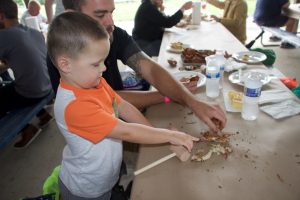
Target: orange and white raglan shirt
91, 161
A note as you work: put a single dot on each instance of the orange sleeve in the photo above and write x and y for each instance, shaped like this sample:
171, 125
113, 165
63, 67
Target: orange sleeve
87, 119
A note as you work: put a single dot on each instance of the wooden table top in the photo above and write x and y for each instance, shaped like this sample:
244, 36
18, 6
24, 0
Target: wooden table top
265, 163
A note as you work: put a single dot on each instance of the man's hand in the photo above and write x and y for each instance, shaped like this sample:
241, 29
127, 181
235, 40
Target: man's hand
188, 5
161, 8
217, 19
212, 115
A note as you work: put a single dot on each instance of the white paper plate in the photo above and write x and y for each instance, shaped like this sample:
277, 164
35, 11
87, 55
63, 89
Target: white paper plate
170, 49
234, 77
250, 57
228, 106
201, 81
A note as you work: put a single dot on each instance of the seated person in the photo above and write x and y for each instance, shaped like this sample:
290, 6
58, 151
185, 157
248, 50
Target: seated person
234, 17
149, 24
33, 10
264, 16
87, 110
23, 50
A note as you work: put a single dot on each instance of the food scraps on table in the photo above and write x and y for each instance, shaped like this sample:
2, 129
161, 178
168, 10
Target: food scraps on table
218, 149
220, 146
172, 62
212, 137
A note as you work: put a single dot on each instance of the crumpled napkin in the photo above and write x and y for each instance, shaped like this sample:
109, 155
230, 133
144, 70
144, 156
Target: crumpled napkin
282, 109
231, 65
274, 96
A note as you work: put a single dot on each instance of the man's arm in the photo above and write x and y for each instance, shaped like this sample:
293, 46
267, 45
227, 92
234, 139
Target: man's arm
49, 10
168, 86
144, 99
130, 113
141, 99
238, 19
216, 3
138, 129
157, 76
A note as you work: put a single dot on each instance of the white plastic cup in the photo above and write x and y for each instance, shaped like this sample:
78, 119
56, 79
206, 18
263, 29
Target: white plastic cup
196, 13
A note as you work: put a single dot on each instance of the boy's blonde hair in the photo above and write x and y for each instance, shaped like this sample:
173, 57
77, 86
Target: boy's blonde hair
70, 33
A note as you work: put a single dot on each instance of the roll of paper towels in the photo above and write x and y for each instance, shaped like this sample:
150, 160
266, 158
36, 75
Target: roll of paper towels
32, 22
196, 14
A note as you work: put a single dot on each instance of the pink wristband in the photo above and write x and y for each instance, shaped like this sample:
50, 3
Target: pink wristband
167, 100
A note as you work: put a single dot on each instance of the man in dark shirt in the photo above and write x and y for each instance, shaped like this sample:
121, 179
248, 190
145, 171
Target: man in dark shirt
269, 13
124, 48
23, 50
150, 22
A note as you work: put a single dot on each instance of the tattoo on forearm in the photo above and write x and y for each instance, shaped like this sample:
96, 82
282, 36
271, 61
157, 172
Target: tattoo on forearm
134, 61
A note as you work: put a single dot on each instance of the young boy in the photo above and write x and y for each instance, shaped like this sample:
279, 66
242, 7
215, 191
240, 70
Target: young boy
87, 111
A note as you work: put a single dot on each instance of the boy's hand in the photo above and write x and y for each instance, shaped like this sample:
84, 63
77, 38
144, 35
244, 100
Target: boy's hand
180, 138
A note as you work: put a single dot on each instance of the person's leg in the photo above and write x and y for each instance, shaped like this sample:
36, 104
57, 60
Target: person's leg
11, 100
53, 74
290, 25
67, 195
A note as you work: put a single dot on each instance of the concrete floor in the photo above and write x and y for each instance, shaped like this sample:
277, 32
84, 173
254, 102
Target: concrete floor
23, 172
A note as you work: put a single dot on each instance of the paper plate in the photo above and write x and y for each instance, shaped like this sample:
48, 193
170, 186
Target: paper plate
170, 49
201, 81
235, 78
250, 57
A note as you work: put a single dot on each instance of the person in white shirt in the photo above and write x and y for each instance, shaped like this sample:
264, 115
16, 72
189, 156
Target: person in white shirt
33, 10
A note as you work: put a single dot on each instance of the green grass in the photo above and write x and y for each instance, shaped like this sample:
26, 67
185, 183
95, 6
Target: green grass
125, 11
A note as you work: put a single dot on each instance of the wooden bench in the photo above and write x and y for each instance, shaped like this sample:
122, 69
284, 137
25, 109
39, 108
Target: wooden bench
12, 123
284, 35
278, 32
